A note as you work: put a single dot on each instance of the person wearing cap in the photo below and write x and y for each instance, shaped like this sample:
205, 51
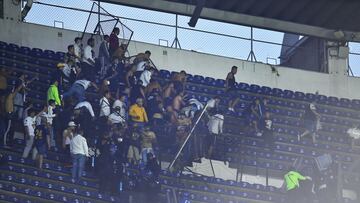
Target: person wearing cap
68, 135
138, 113
312, 122
79, 151
292, 182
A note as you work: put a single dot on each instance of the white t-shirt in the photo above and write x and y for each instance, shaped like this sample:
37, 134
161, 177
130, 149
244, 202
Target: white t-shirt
211, 103
78, 145
87, 105
84, 83
216, 123
122, 106
77, 50
115, 118
88, 55
145, 77
29, 122
141, 66
104, 107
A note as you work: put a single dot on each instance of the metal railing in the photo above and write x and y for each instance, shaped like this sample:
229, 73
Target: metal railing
249, 43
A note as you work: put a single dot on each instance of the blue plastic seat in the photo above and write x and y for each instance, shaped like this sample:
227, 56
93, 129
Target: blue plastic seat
220, 83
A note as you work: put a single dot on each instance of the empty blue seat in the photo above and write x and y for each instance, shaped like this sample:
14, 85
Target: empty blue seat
288, 94
3, 45
13, 47
243, 86
164, 74
210, 81
199, 79
299, 95
220, 83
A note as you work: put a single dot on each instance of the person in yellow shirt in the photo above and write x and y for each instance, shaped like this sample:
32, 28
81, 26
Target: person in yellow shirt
138, 114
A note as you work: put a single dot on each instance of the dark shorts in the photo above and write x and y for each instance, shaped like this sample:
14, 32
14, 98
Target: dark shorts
211, 139
232, 94
42, 149
310, 125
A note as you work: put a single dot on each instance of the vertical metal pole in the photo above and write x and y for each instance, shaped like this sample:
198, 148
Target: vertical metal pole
267, 176
176, 31
252, 45
98, 32
186, 140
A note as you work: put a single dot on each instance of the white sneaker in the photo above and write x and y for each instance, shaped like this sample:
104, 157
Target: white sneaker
259, 134
231, 109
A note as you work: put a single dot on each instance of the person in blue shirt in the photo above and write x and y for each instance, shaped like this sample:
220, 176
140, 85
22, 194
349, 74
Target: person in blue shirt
42, 141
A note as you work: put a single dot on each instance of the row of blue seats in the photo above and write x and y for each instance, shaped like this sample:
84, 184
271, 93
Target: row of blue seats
309, 97
33, 52
287, 94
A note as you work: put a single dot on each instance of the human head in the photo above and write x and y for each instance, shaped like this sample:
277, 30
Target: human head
71, 125
234, 70
106, 38
139, 102
122, 97
107, 94
116, 31
267, 115
183, 73
312, 106
51, 102
32, 113
55, 82
217, 100
257, 101
70, 48
91, 42
147, 54
77, 40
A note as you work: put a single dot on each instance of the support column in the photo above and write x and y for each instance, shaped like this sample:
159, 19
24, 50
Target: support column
337, 64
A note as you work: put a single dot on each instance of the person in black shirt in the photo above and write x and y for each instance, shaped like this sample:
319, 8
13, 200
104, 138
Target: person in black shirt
42, 141
312, 122
231, 89
137, 92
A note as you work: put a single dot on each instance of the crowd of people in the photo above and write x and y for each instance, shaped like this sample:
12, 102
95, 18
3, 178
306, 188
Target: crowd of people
113, 109
107, 109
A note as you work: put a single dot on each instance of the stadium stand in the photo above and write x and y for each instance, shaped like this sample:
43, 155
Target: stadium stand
21, 182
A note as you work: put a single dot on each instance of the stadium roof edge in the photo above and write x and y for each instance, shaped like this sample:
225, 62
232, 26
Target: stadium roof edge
248, 19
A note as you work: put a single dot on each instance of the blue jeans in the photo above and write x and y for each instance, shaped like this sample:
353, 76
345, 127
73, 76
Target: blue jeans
78, 165
76, 90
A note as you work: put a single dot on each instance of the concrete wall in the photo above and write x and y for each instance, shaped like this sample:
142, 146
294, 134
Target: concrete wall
44, 37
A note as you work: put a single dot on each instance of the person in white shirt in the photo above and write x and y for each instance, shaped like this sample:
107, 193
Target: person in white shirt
77, 49
354, 134
79, 151
145, 76
89, 57
49, 115
78, 90
213, 105
85, 104
119, 114
88, 64
29, 123
215, 126
105, 108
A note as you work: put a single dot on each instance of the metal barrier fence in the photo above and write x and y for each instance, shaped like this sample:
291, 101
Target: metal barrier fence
239, 42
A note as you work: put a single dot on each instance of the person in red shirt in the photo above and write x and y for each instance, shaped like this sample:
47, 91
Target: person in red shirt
114, 41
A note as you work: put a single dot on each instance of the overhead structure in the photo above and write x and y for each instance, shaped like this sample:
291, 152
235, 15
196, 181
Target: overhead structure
328, 19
